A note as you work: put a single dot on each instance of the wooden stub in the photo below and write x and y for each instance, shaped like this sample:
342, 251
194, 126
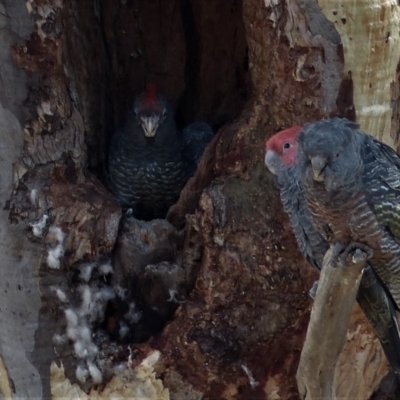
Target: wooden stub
330, 315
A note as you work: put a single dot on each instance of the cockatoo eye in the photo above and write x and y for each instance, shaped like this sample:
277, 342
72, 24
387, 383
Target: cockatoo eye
286, 146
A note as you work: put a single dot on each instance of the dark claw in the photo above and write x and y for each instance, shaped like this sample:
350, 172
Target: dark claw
357, 252
338, 250
352, 247
359, 256
353, 253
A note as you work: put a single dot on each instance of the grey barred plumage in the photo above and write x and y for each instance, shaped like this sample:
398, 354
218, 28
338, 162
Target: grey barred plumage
313, 236
311, 243
148, 158
358, 191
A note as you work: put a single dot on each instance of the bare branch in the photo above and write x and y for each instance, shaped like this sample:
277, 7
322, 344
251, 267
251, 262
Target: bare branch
330, 315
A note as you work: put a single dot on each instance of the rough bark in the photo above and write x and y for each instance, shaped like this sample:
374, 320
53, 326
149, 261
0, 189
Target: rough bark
69, 73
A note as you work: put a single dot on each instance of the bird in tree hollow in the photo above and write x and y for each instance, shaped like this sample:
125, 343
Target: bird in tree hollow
282, 159
150, 160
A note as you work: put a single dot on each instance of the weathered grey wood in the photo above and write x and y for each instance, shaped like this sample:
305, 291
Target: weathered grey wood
329, 320
19, 295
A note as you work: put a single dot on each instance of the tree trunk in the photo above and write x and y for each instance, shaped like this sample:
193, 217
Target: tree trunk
235, 322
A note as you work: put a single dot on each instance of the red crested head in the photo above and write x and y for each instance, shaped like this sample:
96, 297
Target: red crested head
284, 144
151, 111
150, 101
150, 95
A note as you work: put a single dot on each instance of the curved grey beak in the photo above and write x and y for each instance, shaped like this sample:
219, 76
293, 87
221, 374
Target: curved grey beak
150, 125
270, 161
318, 163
